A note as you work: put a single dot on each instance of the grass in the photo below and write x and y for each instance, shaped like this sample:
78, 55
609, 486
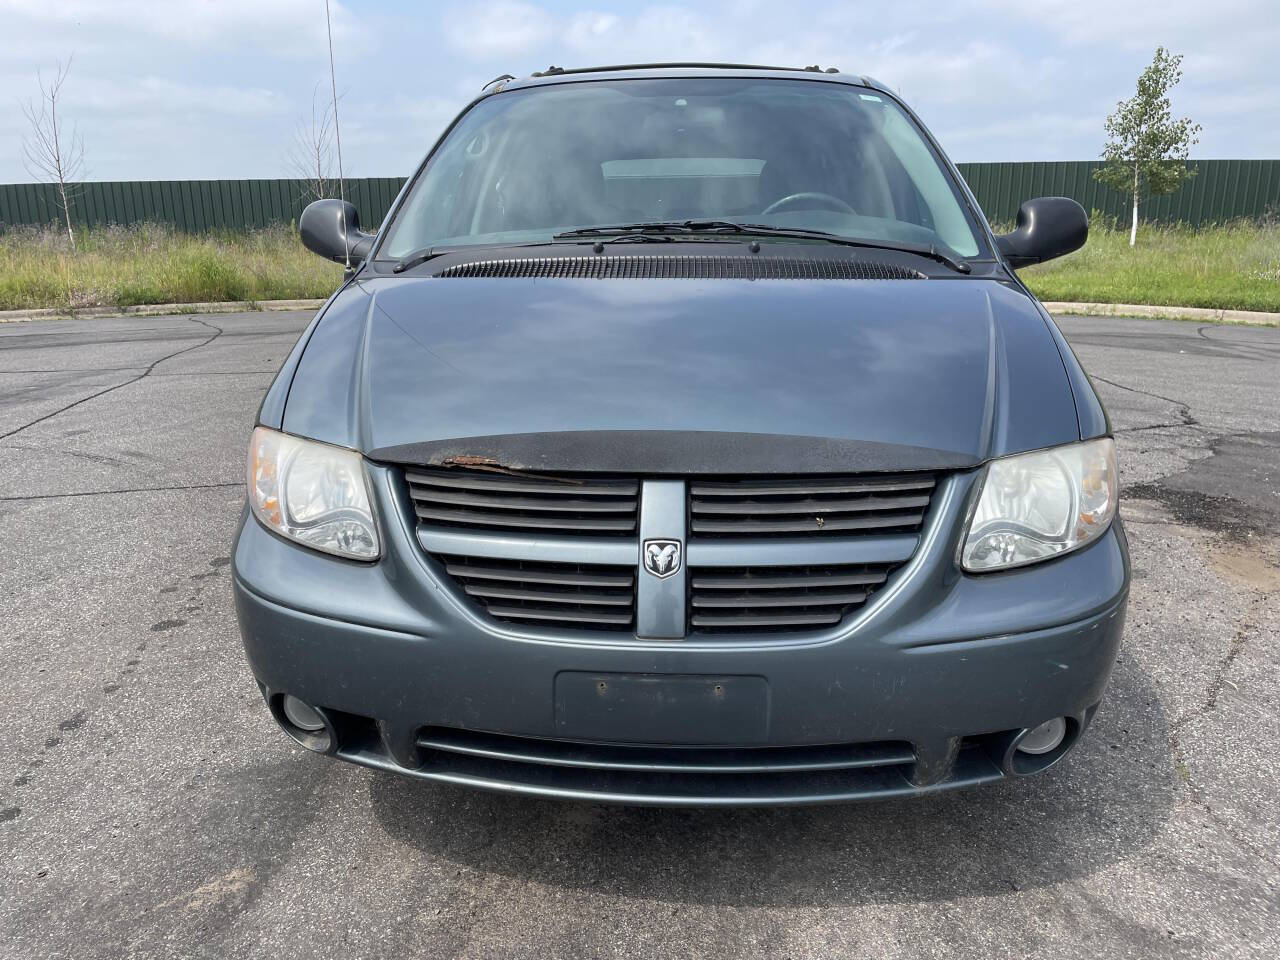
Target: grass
1235, 266
149, 263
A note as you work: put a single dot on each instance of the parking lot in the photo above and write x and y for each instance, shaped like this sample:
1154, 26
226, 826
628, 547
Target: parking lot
149, 806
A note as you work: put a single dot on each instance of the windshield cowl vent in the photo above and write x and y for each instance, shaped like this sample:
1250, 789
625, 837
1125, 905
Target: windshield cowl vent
684, 267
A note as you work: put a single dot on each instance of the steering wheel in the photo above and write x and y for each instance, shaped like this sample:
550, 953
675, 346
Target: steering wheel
824, 200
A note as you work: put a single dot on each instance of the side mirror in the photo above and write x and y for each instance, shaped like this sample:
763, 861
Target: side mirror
1048, 227
324, 231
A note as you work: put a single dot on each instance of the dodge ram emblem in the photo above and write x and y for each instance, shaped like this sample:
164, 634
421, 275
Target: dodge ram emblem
662, 557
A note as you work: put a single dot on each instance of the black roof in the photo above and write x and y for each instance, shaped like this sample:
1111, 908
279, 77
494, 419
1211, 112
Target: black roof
683, 69
611, 68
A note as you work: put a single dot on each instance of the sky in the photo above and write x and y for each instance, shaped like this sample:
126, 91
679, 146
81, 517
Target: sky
207, 89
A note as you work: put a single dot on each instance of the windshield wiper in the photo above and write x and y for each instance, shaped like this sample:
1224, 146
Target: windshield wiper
624, 229
637, 238
651, 228
668, 227
690, 237
667, 230
418, 257
928, 250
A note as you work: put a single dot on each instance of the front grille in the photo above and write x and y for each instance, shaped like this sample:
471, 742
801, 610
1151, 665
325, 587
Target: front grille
685, 267
563, 554
779, 598
597, 597
538, 505
838, 506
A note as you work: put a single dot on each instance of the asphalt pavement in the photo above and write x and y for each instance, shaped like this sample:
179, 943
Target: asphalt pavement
150, 808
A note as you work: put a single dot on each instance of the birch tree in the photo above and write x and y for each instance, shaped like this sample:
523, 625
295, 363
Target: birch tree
49, 153
1146, 150
310, 155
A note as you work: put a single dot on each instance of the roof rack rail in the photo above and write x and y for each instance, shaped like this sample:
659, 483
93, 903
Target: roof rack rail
557, 71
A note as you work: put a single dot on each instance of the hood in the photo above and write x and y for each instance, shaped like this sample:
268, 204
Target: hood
684, 376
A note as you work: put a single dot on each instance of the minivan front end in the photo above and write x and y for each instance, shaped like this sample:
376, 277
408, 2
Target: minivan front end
756, 667
685, 436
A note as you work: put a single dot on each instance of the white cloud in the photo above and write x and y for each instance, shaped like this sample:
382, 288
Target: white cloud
1129, 24
284, 26
589, 28
186, 88
151, 94
498, 29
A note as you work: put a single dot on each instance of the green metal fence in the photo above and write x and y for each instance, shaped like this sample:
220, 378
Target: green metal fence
1222, 190
190, 205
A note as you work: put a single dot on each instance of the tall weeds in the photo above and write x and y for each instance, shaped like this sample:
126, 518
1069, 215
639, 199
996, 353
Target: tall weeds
1236, 265
152, 263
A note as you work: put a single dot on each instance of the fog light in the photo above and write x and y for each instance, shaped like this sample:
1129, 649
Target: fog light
305, 717
1044, 738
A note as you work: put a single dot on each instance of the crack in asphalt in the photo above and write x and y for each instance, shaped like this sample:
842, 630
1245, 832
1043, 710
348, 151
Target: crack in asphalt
77, 454
1184, 409
182, 373
1218, 681
52, 340
219, 373
1141, 521
1153, 426
102, 493
136, 366
1219, 678
93, 396
1248, 623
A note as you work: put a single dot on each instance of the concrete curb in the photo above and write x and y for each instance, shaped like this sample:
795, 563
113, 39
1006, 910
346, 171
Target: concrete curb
158, 310
1203, 314
1206, 314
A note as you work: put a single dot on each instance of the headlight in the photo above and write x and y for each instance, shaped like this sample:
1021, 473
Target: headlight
313, 493
1037, 505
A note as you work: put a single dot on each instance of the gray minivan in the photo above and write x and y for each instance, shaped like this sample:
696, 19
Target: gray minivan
684, 435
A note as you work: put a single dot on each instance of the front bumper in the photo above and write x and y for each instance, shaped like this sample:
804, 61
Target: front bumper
919, 691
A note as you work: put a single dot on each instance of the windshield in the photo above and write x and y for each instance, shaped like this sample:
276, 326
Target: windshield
524, 165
